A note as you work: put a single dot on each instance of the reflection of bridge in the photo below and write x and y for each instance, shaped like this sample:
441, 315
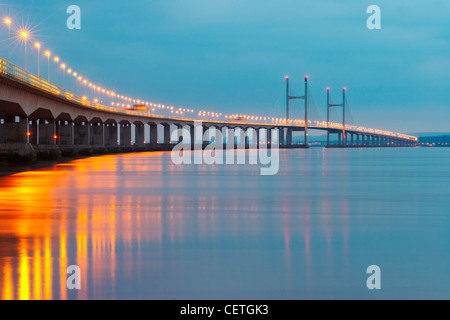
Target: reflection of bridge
39, 117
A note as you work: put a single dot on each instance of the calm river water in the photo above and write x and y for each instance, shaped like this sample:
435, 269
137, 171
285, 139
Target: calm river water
140, 227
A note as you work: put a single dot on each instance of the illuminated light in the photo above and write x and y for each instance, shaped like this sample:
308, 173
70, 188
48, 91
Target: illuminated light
47, 53
85, 81
84, 98
344, 88
8, 21
37, 45
80, 78
24, 34
55, 137
69, 71
63, 66
328, 89
286, 77
306, 77
75, 74
28, 133
95, 100
56, 59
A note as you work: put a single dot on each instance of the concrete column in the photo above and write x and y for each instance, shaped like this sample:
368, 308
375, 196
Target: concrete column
224, 135
153, 133
47, 131
180, 134
64, 132
2, 131
139, 134
230, 137
207, 138
81, 134
111, 134
15, 132
257, 136
166, 133
96, 134
281, 136
289, 136
269, 136
339, 138
192, 136
352, 139
33, 130
125, 135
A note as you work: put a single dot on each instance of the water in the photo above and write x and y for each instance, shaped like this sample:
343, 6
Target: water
140, 227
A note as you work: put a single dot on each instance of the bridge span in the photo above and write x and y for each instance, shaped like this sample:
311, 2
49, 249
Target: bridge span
39, 119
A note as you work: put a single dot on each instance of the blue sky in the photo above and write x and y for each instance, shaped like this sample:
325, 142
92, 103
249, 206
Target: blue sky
231, 56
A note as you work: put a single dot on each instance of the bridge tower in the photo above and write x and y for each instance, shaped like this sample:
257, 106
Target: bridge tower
288, 99
329, 105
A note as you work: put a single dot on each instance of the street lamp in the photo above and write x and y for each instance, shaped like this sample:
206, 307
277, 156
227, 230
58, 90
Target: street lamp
47, 53
56, 59
63, 66
24, 36
38, 46
8, 22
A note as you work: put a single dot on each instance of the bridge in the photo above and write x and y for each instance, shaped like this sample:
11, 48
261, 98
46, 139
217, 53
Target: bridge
41, 119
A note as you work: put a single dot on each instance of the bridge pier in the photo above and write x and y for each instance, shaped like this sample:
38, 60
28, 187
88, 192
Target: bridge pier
15, 129
247, 137
281, 139
96, 134
14, 139
289, 136
111, 134
166, 128
125, 134
64, 131
192, 136
153, 133
257, 136
269, 136
47, 132
33, 131
139, 133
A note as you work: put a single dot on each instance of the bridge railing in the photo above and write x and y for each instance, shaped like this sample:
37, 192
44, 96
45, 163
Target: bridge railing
11, 71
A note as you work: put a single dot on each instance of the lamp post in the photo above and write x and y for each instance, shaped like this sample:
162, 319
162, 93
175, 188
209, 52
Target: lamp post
63, 66
57, 69
24, 36
8, 22
47, 53
38, 46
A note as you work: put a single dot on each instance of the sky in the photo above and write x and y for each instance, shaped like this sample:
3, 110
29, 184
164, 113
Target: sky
231, 56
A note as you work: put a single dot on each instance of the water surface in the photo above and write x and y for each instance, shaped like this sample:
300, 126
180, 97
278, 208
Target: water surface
140, 227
